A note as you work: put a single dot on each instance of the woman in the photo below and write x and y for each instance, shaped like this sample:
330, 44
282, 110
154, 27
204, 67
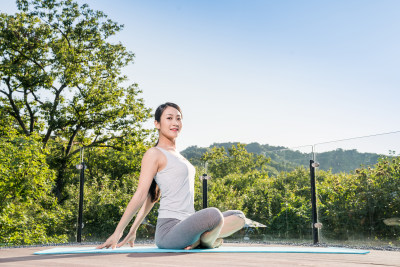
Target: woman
164, 169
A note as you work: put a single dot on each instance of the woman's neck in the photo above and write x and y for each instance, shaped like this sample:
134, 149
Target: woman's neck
166, 143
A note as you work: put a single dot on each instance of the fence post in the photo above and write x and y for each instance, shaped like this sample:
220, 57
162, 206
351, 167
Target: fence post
80, 167
205, 191
313, 165
204, 178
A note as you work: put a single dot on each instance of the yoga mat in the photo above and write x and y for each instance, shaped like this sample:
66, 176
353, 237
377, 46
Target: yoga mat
223, 249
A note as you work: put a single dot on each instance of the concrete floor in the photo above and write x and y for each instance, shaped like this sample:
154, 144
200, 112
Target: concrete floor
25, 257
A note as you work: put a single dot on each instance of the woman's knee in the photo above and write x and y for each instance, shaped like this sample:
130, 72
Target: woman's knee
237, 213
215, 216
240, 214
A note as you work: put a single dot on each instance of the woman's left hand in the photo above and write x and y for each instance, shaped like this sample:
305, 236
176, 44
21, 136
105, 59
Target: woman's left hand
130, 238
111, 241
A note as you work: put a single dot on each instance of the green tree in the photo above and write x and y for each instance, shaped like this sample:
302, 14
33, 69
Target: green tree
61, 78
235, 160
111, 180
239, 181
290, 204
28, 212
355, 205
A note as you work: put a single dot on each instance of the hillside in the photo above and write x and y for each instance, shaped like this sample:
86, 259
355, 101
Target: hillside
283, 159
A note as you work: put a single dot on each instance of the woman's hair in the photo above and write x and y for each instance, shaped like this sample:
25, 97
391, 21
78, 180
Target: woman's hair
161, 108
154, 190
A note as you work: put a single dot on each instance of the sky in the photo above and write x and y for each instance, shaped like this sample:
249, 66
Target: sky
287, 73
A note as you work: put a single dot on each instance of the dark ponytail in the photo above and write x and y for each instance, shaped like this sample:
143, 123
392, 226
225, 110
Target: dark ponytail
154, 190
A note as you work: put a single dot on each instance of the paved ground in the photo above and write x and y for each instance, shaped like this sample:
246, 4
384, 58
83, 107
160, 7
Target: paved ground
25, 257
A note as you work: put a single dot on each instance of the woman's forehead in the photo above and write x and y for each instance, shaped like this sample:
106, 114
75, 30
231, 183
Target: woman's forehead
171, 111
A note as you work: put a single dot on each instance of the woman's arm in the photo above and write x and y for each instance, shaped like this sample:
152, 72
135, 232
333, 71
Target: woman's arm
148, 171
144, 210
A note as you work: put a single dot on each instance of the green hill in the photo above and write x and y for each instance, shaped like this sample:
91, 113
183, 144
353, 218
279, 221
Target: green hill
284, 159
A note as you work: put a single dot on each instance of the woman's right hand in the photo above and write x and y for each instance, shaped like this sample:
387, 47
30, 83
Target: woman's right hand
130, 238
111, 241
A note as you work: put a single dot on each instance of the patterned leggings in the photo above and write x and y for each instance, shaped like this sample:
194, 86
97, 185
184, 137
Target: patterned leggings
176, 234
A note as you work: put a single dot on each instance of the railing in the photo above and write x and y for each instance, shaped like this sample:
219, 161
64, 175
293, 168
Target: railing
357, 184
357, 193
292, 219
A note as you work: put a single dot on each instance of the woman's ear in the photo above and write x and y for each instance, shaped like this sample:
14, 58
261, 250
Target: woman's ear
157, 124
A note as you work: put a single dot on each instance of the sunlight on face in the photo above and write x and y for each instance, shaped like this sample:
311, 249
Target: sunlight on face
170, 123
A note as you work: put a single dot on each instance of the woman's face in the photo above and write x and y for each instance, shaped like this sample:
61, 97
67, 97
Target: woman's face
170, 123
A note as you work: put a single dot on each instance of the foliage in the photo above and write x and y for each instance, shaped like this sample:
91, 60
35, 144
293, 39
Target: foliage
351, 205
236, 160
103, 206
285, 159
357, 204
28, 213
341, 160
62, 88
61, 85
62, 79
241, 181
111, 179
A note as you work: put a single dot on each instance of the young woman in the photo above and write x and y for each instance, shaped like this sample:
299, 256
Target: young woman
164, 169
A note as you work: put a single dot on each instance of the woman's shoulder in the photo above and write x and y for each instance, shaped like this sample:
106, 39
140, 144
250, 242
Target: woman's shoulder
153, 151
153, 154
154, 157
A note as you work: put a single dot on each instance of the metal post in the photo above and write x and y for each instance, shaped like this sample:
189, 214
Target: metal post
205, 178
204, 191
314, 202
81, 167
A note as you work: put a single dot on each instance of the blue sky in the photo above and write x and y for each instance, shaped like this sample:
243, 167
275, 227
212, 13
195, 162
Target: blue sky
285, 72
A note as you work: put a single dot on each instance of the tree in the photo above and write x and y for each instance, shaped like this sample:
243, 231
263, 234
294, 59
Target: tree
236, 160
28, 212
355, 205
61, 78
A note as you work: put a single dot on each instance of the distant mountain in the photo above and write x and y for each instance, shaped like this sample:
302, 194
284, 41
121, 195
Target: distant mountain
284, 159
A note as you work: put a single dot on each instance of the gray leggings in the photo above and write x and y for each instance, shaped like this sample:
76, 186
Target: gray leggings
176, 234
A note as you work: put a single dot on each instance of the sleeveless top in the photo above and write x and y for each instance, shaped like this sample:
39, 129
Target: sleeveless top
176, 183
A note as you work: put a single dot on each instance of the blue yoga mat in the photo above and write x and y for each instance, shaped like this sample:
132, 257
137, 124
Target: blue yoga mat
223, 249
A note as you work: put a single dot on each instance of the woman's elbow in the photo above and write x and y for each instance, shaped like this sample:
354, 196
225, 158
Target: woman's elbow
140, 196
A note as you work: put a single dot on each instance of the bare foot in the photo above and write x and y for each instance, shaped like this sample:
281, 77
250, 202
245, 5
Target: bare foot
194, 245
218, 242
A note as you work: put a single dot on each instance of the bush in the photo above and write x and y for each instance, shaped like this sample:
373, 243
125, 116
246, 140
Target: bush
28, 212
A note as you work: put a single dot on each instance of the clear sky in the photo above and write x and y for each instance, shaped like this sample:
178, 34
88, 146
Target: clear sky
284, 72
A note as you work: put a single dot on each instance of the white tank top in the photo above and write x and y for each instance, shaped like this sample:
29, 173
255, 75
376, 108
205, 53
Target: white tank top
176, 183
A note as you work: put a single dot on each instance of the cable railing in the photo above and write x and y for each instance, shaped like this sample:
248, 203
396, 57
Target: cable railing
356, 201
